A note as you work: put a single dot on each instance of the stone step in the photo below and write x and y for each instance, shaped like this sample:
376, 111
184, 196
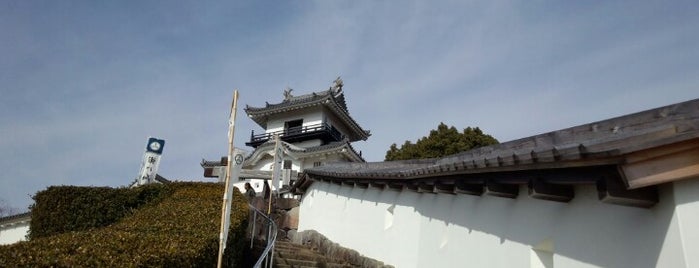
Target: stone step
300, 256
327, 265
297, 262
287, 254
284, 244
299, 250
291, 259
305, 254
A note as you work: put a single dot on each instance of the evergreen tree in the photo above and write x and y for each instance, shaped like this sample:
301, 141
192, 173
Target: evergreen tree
442, 141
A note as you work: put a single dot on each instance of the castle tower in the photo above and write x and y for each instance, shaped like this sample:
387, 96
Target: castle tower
314, 128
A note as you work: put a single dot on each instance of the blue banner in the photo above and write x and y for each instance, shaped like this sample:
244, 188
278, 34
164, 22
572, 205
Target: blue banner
155, 145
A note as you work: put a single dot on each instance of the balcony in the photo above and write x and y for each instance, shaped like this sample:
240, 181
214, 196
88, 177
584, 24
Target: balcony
321, 131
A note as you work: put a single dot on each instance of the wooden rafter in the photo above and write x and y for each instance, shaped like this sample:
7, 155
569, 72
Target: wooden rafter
501, 190
540, 189
613, 190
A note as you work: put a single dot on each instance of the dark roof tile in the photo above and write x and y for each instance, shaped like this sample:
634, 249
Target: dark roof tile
598, 143
333, 99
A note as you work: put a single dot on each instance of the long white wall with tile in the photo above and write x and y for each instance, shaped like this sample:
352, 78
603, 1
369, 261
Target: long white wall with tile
13, 233
408, 229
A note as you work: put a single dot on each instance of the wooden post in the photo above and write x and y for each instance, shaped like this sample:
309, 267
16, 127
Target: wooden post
226, 201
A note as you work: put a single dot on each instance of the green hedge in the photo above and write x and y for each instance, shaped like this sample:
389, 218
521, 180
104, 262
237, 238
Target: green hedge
179, 231
60, 209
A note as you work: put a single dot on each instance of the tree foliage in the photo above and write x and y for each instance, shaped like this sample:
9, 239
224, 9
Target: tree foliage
62, 209
178, 226
442, 141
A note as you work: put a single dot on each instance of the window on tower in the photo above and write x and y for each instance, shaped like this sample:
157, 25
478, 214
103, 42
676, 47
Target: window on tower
293, 126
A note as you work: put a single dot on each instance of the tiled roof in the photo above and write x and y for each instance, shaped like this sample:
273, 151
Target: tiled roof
259, 152
15, 217
209, 163
590, 144
333, 99
304, 152
315, 97
596, 147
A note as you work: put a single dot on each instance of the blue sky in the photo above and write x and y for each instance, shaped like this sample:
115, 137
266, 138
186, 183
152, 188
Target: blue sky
84, 83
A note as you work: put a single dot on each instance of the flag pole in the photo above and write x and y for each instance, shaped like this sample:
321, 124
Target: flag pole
226, 199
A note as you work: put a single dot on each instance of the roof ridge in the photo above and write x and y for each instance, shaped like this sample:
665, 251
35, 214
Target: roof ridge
15, 216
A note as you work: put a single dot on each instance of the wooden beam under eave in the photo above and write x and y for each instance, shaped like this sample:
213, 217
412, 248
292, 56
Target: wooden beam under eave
396, 186
443, 188
501, 190
553, 192
305, 184
611, 189
467, 188
572, 176
661, 165
381, 186
426, 188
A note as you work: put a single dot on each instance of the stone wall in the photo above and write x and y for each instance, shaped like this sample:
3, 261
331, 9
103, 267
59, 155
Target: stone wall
330, 249
285, 213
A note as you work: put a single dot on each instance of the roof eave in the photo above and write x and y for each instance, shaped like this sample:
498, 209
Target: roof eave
626, 157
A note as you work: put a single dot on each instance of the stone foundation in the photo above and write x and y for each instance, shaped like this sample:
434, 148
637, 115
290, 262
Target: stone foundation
320, 243
285, 213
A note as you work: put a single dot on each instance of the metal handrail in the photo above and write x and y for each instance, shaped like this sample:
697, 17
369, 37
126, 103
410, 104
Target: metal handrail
267, 255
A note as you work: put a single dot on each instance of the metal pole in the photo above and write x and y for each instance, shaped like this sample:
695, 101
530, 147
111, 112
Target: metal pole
269, 226
252, 233
271, 258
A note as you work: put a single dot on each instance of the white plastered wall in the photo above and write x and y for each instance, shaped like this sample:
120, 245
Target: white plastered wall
310, 117
686, 216
332, 120
324, 159
298, 165
408, 229
13, 233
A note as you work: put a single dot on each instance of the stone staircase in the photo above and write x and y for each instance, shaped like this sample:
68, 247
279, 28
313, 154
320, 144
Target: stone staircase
316, 251
290, 255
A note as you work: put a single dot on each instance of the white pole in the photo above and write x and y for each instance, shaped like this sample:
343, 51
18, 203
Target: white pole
276, 169
226, 199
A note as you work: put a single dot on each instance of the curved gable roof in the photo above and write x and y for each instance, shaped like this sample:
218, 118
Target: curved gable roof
333, 99
299, 152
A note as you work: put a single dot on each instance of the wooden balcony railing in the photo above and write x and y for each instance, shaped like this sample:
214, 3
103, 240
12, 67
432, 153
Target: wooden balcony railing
321, 131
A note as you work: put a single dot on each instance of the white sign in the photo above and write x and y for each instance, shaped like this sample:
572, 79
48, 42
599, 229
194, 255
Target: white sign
151, 161
237, 166
278, 162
